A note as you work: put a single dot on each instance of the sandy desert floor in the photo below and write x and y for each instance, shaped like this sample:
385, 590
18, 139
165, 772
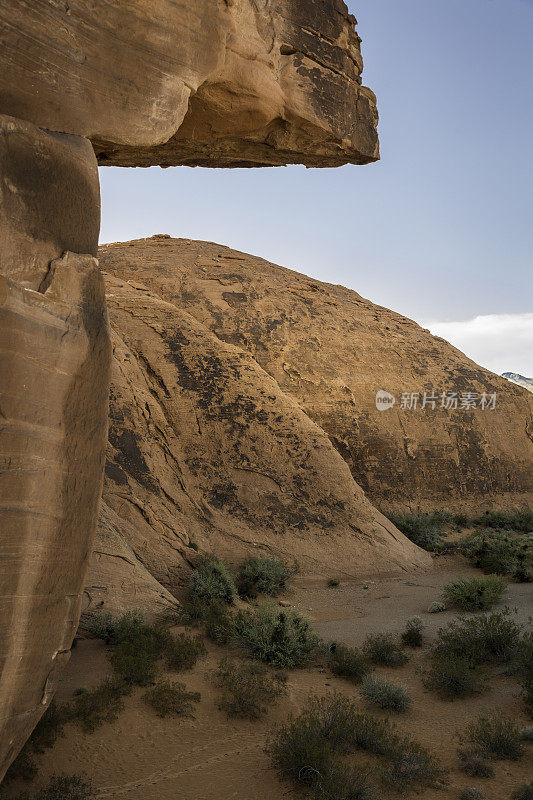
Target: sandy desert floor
143, 757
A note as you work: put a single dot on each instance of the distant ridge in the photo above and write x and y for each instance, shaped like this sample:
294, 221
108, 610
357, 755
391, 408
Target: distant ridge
514, 377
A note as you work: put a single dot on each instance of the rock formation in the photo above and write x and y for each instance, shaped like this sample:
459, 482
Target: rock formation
330, 351
209, 82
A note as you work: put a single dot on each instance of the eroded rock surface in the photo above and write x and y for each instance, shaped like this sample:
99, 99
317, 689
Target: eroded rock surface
206, 450
210, 83
54, 358
329, 350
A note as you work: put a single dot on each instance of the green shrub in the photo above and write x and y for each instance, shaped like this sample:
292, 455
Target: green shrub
511, 520
523, 792
248, 688
523, 574
347, 662
333, 582
486, 639
453, 677
411, 765
211, 581
183, 651
171, 698
262, 575
498, 552
92, 708
475, 594
525, 667
114, 630
63, 787
309, 749
436, 607
381, 648
474, 763
133, 665
219, 624
412, 635
345, 782
384, 694
422, 529
497, 736
192, 611
472, 793
281, 638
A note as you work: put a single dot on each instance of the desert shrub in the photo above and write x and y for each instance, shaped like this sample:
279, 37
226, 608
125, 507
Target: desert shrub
498, 552
183, 651
523, 574
422, 529
526, 734
347, 662
281, 638
114, 630
211, 581
412, 635
262, 575
436, 607
380, 648
523, 792
411, 765
511, 520
333, 582
309, 747
248, 688
219, 623
63, 787
384, 694
45, 734
472, 793
525, 669
345, 782
475, 594
134, 665
92, 708
489, 638
474, 763
171, 698
497, 736
192, 611
453, 677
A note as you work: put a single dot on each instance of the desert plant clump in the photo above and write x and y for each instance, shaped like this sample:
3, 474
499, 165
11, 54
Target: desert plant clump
347, 662
525, 669
92, 708
262, 575
247, 688
436, 607
499, 552
219, 623
497, 736
423, 529
474, 763
486, 639
63, 787
521, 520
310, 749
169, 698
453, 677
475, 594
384, 694
412, 635
472, 793
523, 792
333, 582
282, 638
211, 581
345, 782
183, 651
381, 648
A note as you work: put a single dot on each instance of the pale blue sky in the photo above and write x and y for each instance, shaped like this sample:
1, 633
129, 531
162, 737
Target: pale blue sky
441, 228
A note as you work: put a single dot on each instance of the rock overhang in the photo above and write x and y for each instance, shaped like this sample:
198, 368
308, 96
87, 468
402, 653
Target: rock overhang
217, 83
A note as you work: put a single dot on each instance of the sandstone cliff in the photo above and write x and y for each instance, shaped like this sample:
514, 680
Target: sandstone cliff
329, 351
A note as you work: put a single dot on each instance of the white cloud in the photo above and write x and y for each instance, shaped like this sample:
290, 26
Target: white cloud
500, 342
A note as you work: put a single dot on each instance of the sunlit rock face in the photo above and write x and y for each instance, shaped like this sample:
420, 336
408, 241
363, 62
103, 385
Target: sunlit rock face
218, 83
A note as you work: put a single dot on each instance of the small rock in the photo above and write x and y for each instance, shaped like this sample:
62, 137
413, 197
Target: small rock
284, 603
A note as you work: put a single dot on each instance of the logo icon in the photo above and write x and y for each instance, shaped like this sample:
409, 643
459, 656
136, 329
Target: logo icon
384, 400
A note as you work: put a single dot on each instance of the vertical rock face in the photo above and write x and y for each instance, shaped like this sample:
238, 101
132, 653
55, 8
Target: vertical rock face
54, 364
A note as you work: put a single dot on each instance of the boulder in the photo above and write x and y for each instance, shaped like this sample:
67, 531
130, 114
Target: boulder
211, 83
331, 351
